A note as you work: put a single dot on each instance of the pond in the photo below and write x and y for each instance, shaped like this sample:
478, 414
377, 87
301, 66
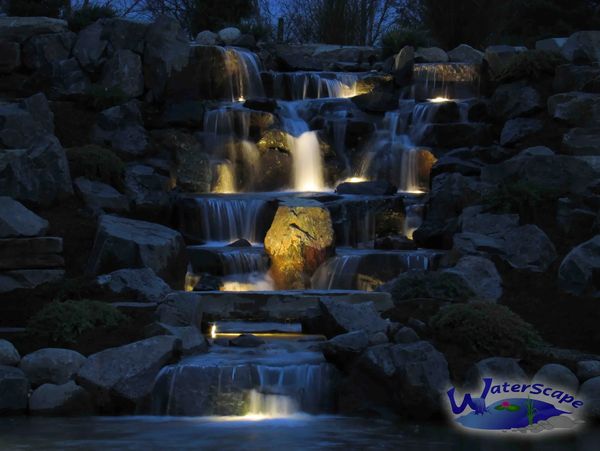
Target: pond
302, 432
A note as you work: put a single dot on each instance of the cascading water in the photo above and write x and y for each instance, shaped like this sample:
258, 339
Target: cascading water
305, 148
243, 73
314, 85
446, 80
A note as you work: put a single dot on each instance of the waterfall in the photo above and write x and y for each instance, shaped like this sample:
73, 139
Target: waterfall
223, 177
314, 85
337, 273
271, 406
242, 261
243, 69
447, 80
248, 282
305, 149
227, 219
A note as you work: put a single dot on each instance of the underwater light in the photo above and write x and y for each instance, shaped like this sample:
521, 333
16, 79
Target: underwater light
241, 99
213, 331
439, 100
356, 180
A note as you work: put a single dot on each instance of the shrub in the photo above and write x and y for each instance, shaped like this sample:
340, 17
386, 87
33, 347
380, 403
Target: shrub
260, 30
394, 40
100, 98
96, 163
65, 321
429, 285
484, 328
89, 14
33, 8
531, 65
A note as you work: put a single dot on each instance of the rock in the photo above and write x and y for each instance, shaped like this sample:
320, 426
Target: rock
551, 45
575, 108
63, 79
229, 35
404, 62
498, 57
579, 270
398, 243
14, 388
557, 376
124, 34
125, 375
430, 55
141, 284
206, 37
20, 29
452, 136
247, 341
39, 174
18, 221
583, 46
322, 56
481, 277
340, 317
23, 124
474, 220
9, 356
465, 54
374, 188
515, 100
245, 40
128, 243
123, 72
261, 104
571, 77
451, 164
587, 369
300, 239
192, 339
100, 196
502, 368
413, 375
47, 48
10, 56
146, 189
378, 338
89, 47
26, 253
51, 365
167, 50
590, 393
582, 141
536, 151
345, 346
189, 114
520, 129
406, 335
121, 128
568, 174
62, 399
28, 278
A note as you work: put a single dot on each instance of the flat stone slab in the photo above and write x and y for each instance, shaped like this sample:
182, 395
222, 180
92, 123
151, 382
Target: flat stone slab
185, 308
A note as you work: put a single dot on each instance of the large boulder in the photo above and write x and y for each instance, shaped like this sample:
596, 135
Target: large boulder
590, 392
38, 174
430, 55
14, 390
481, 276
60, 399
403, 65
229, 35
465, 54
141, 284
9, 356
47, 48
62, 79
340, 317
20, 29
28, 279
578, 272
582, 141
371, 188
587, 369
128, 243
300, 239
520, 129
10, 56
51, 365
515, 100
322, 56
498, 57
572, 77
556, 375
123, 72
121, 127
341, 349
206, 37
583, 46
147, 190
100, 197
89, 47
499, 367
579, 109
410, 378
124, 376
125, 34
167, 50
18, 221
25, 123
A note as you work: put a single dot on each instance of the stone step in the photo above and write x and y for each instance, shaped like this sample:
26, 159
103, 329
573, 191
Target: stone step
191, 308
253, 327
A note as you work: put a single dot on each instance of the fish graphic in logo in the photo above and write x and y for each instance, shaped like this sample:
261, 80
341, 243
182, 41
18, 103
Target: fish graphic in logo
515, 406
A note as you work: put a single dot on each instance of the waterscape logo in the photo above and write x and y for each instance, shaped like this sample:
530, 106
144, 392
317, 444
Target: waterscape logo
508, 406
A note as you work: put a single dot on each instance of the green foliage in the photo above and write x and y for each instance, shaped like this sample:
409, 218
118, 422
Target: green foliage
96, 163
429, 285
484, 328
101, 98
531, 65
520, 197
33, 8
393, 41
89, 14
64, 322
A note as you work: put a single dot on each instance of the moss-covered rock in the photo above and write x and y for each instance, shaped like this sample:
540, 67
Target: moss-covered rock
441, 286
531, 65
96, 163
